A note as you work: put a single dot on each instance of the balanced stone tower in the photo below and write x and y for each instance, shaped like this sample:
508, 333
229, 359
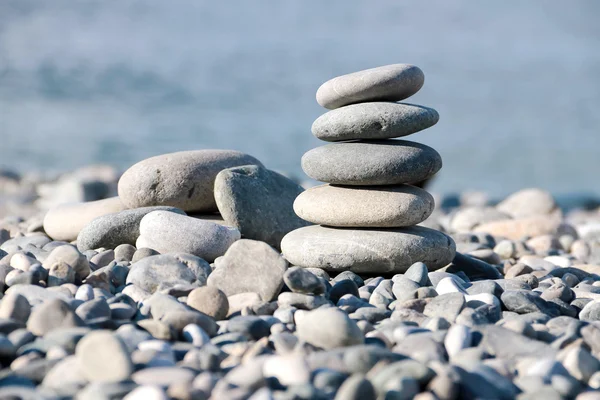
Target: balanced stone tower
366, 214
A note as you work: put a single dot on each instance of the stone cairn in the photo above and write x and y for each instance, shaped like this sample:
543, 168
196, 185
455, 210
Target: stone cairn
366, 214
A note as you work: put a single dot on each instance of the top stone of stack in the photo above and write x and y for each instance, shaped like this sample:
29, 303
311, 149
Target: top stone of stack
388, 83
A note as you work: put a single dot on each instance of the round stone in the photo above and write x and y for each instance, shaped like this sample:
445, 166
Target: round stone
167, 232
387, 83
112, 230
103, 357
376, 162
528, 203
372, 251
60, 273
249, 266
167, 270
328, 328
51, 315
71, 256
64, 222
300, 280
209, 300
383, 207
184, 179
378, 120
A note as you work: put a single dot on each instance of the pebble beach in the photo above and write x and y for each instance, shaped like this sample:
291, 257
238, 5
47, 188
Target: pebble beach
203, 274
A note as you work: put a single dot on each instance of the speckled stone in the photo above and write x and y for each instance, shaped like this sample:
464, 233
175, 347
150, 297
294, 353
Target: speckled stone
112, 230
258, 202
167, 232
184, 179
379, 120
375, 162
393, 82
371, 251
369, 206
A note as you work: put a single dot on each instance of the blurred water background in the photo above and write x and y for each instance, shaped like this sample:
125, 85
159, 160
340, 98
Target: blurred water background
516, 83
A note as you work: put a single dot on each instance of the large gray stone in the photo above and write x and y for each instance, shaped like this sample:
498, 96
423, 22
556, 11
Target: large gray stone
369, 206
258, 202
167, 232
377, 120
112, 230
372, 251
373, 162
249, 266
184, 179
64, 222
167, 270
387, 83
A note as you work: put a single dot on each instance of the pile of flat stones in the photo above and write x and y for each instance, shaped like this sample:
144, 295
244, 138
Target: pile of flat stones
177, 288
366, 214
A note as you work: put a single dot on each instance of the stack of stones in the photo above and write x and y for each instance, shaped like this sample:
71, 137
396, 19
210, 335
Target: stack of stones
367, 213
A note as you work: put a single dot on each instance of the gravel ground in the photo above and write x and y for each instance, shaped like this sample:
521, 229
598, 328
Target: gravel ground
515, 315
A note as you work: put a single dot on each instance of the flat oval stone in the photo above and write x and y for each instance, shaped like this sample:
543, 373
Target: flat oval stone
372, 250
375, 162
378, 120
112, 230
369, 206
184, 179
64, 222
168, 270
167, 232
393, 82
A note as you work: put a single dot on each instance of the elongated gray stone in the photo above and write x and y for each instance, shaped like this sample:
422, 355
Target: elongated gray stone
378, 120
372, 250
167, 232
258, 202
184, 179
369, 206
393, 82
374, 162
112, 230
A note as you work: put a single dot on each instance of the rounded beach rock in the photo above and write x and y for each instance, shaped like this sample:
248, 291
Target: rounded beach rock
168, 270
249, 266
184, 179
378, 120
112, 230
393, 82
367, 251
528, 203
370, 206
376, 162
71, 256
64, 222
258, 202
167, 232
103, 357
328, 328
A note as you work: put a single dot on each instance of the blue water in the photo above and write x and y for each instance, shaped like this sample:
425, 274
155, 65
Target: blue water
516, 83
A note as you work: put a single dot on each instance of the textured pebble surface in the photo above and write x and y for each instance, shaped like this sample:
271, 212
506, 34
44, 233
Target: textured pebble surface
375, 162
373, 121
